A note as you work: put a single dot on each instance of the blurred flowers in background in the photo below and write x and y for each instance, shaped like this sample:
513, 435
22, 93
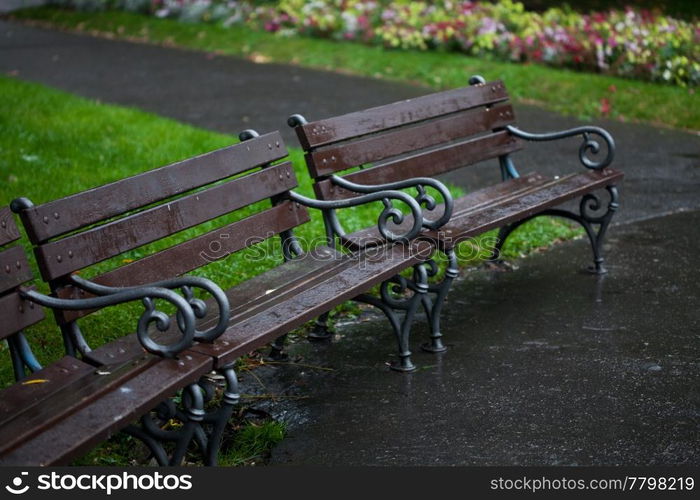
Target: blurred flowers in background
634, 43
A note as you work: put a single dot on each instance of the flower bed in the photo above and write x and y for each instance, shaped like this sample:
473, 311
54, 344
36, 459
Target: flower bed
633, 43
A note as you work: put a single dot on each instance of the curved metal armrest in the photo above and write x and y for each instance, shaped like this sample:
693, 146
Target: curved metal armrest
389, 212
589, 144
186, 315
422, 198
185, 283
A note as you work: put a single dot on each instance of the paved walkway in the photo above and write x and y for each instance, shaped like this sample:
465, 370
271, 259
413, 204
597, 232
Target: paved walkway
546, 365
228, 95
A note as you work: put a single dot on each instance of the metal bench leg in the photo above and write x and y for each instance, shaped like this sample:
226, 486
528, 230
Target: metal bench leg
596, 226
153, 435
433, 308
392, 301
320, 331
217, 419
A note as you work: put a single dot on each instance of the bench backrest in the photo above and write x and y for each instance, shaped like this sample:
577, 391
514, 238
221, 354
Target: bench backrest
83, 229
16, 313
421, 137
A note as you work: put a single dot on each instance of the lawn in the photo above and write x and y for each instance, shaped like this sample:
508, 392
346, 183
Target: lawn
53, 144
583, 95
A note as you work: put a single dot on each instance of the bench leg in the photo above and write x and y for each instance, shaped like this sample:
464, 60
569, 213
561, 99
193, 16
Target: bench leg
205, 428
392, 302
596, 226
320, 330
433, 308
153, 435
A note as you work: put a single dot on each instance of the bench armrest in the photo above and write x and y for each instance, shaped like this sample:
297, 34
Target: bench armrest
589, 144
422, 198
184, 283
389, 212
186, 315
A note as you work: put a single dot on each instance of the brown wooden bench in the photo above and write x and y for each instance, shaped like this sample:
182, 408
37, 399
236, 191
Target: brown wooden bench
435, 134
73, 234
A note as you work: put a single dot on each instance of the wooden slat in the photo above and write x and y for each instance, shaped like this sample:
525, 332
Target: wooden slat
470, 202
88, 207
426, 164
8, 229
77, 251
17, 314
310, 301
14, 268
554, 193
38, 386
197, 252
371, 120
72, 436
56, 406
427, 134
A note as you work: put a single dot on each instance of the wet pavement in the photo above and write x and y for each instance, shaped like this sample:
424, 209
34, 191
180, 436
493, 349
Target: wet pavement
227, 94
547, 365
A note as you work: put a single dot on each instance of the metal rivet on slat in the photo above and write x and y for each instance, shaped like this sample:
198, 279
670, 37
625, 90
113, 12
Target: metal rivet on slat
59, 258
333, 158
325, 161
277, 143
46, 220
56, 216
269, 146
18, 264
7, 268
70, 254
281, 176
493, 89
31, 305
4, 224
289, 174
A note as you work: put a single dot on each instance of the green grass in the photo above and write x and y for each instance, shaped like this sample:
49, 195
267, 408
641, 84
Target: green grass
53, 144
565, 91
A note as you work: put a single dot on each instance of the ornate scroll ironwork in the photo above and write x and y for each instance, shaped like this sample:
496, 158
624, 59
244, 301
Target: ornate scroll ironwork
185, 284
589, 145
590, 203
388, 213
423, 198
196, 422
151, 315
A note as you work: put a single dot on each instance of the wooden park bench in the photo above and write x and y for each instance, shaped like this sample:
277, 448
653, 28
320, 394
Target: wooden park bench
61, 411
437, 133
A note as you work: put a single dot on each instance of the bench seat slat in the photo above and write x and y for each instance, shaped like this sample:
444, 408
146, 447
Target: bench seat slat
260, 329
196, 252
8, 229
14, 268
59, 404
425, 164
75, 252
58, 217
329, 160
516, 208
393, 115
113, 410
